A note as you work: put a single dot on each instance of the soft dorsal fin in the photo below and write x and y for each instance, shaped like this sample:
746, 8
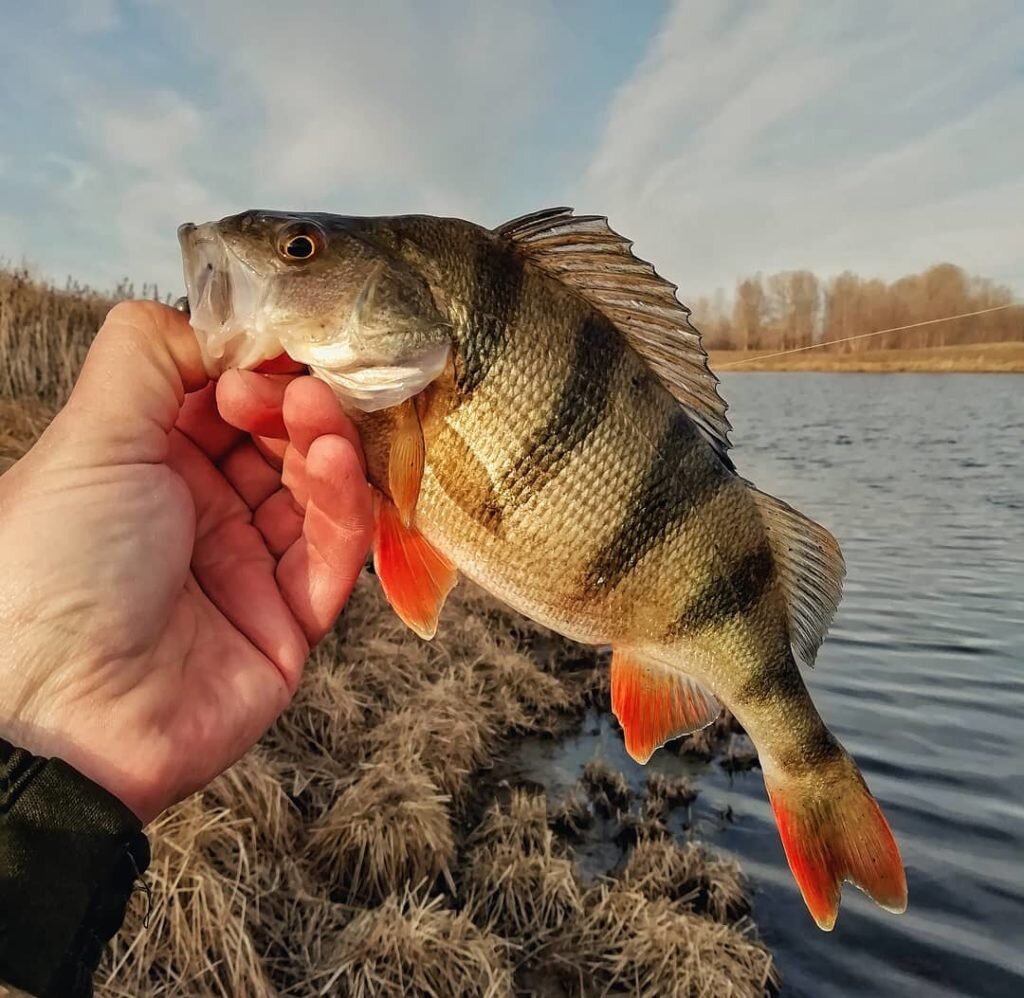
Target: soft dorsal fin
811, 568
585, 254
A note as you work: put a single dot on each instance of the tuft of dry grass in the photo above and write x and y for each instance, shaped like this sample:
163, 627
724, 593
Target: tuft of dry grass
625, 943
411, 945
663, 794
606, 787
632, 829
390, 828
516, 880
675, 791
446, 728
572, 817
690, 874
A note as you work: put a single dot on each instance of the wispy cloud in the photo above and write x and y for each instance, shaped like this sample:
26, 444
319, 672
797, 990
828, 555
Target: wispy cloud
827, 136
398, 102
90, 16
724, 137
148, 131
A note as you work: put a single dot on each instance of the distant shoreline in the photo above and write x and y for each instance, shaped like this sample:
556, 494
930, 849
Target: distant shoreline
978, 358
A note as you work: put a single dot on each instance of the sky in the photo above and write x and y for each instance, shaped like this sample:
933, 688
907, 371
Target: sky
724, 137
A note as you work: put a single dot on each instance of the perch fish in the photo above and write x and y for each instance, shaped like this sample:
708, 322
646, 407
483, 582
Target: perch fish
538, 414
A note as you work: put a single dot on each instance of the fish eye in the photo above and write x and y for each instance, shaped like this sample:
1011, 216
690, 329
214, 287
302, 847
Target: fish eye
300, 243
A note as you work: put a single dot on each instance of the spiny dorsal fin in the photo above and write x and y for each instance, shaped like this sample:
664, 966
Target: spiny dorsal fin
811, 569
585, 254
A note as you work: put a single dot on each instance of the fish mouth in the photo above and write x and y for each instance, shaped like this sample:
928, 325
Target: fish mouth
227, 302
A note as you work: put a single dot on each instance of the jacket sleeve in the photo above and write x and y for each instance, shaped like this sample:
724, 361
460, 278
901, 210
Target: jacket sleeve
70, 853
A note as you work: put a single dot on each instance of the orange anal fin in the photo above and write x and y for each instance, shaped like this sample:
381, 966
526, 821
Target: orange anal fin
405, 461
656, 703
832, 830
415, 577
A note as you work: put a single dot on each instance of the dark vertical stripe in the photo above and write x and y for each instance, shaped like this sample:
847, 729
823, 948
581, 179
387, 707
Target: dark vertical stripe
459, 473
495, 285
582, 402
726, 596
664, 499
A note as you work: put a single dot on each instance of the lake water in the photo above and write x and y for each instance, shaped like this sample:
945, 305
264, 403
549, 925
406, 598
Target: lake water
921, 477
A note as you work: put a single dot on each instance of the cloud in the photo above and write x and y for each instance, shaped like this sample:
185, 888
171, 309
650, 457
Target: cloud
798, 134
724, 137
149, 131
92, 16
398, 102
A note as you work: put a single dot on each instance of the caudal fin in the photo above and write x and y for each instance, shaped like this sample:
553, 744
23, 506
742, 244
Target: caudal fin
832, 830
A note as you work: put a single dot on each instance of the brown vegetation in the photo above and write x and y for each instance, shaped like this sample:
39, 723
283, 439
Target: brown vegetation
363, 848
625, 943
606, 787
795, 309
981, 358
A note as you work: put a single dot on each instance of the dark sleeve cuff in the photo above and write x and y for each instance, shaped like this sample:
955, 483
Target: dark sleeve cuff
70, 853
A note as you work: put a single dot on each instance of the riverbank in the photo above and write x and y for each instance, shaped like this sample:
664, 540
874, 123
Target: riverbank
980, 358
376, 841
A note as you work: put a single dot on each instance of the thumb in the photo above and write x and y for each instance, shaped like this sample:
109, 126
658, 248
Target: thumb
142, 363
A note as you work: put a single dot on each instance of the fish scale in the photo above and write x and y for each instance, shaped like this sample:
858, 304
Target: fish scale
538, 414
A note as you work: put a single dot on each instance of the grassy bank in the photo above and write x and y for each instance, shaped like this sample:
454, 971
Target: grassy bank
367, 845
979, 358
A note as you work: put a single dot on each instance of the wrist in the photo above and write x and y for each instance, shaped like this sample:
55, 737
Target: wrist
51, 742
78, 852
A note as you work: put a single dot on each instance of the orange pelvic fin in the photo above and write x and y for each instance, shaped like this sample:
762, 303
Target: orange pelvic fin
656, 703
416, 578
405, 462
832, 830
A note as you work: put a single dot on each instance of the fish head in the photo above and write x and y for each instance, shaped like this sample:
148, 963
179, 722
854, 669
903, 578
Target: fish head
321, 289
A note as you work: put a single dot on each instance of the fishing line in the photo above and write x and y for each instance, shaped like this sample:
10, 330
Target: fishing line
864, 336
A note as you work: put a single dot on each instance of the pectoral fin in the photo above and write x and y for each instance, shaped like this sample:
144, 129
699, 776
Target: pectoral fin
405, 462
416, 578
656, 703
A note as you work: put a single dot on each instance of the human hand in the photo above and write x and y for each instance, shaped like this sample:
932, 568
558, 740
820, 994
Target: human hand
161, 587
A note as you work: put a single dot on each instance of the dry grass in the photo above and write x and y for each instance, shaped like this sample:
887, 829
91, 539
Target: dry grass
44, 335
690, 874
411, 945
624, 943
389, 829
517, 880
663, 793
606, 787
976, 358
710, 740
572, 817
21, 422
204, 879
340, 855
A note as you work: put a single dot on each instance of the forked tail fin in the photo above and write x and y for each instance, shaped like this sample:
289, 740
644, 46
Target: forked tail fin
832, 830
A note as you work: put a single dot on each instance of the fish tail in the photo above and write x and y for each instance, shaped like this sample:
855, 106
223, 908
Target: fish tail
832, 830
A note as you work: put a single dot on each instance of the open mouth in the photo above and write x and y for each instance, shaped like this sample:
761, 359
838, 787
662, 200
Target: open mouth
226, 302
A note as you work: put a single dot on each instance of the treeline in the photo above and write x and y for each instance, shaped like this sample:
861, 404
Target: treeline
796, 308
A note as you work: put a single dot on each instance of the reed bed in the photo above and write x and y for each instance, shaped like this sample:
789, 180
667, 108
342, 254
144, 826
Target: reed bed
365, 847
